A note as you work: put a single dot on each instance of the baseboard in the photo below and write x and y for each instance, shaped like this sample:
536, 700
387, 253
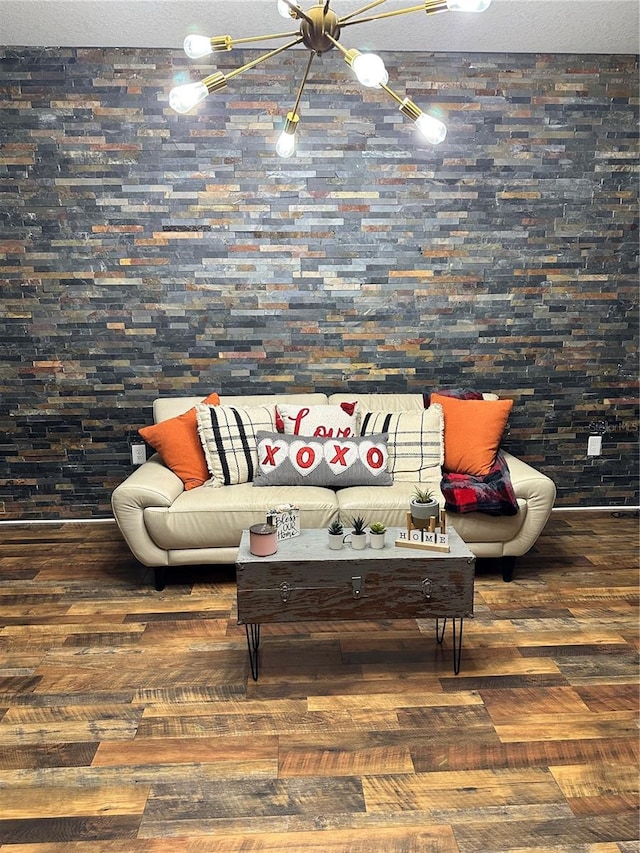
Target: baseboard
60, 521
613, 509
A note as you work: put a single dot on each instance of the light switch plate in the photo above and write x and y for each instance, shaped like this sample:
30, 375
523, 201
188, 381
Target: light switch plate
594, 445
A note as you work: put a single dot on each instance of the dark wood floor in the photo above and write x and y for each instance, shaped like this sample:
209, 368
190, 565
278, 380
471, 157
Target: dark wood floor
129, 721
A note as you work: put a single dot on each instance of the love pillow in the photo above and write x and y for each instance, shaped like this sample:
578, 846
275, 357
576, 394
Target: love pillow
292, 460
322, 420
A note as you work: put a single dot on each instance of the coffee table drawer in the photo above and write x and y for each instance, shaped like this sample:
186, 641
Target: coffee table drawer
359, 590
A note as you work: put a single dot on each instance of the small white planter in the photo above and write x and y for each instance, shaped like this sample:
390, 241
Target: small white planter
377, 541
336, 541
358, 541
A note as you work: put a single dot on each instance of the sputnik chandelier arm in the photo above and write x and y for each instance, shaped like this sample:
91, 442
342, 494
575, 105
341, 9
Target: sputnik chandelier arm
184, 98
370, 71
431, 7
286, 143
319, 32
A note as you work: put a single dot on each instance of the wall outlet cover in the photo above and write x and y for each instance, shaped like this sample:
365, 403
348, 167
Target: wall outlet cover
138, 454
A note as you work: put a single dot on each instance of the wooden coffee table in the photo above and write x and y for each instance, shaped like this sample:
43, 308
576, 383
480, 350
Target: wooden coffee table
306, 581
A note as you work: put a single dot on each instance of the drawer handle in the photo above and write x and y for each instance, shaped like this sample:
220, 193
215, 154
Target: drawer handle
285, 592
426, 588
356, 586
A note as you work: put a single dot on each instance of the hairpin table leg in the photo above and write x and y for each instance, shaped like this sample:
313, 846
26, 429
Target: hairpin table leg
457, 639
457, 646
252, 630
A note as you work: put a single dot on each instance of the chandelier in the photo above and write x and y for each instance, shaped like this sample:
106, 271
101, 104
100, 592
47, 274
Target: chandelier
319, 31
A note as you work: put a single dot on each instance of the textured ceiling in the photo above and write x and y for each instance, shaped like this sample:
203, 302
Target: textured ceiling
521, 26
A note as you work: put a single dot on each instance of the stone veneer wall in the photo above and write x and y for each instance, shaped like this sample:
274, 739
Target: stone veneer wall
145, 254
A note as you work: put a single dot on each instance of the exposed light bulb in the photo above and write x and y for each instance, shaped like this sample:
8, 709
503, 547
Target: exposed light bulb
283, 9
197, 46
286, 144
431, 128
468, 5
184, 98
370, 70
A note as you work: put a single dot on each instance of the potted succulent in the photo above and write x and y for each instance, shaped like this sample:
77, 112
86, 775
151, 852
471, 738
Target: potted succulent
423, 506
335, 535
358, 534
377, 531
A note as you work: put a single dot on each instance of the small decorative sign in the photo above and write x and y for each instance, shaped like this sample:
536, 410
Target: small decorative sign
434, 539
286, 520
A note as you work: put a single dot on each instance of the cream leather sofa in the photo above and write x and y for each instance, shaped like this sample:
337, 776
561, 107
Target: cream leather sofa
164, 525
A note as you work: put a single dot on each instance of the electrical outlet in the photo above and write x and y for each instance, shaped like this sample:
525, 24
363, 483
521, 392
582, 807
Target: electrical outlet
594, 445
138, 454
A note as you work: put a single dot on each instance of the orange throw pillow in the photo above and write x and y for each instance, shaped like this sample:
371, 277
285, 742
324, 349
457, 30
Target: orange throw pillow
178, 442
472, 432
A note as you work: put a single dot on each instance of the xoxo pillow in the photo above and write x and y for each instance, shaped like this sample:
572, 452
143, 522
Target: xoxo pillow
323, 421
290, 460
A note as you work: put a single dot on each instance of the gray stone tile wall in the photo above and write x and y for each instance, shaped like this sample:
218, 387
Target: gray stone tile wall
144, 253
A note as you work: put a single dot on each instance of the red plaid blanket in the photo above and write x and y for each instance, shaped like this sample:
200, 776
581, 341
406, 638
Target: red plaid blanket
492, 494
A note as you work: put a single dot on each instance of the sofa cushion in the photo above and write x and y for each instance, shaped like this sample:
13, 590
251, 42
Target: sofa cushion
228, 435
383, 401
388, 505
215, 518
472, 432
314, 461
178, 443
326, 421
416, 445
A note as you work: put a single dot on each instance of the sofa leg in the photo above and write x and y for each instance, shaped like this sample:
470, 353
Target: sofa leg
508, 565
160, 577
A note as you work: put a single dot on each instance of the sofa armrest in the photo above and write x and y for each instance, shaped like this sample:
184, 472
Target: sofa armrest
150, 485
539, 492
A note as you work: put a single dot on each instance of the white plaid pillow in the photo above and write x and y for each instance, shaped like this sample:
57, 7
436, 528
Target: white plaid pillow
416, 441
228, 436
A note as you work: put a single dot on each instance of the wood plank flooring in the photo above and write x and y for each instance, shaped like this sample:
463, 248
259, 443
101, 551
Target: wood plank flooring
129, 721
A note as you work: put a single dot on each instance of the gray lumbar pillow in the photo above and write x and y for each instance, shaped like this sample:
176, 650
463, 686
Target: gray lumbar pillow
299, 460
